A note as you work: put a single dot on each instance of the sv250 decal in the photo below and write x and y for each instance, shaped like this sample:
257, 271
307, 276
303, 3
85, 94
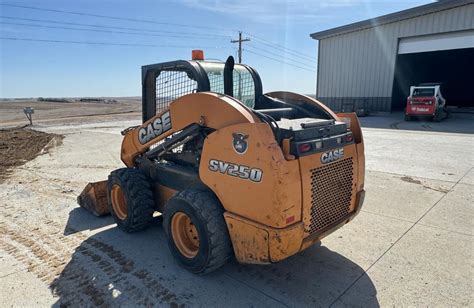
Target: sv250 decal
240, 171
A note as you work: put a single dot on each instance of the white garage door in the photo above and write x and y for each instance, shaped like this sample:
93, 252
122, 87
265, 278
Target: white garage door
435, 42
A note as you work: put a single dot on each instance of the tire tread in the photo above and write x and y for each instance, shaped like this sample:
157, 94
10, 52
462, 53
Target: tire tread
138, 191
210, 209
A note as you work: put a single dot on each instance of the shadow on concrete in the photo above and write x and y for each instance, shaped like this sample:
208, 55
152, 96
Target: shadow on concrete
460, 123
115, 268
82, 220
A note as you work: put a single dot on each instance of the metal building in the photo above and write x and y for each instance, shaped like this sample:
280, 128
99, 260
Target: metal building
371, 64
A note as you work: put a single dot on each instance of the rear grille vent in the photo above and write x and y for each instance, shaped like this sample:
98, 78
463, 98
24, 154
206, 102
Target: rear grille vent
331, 190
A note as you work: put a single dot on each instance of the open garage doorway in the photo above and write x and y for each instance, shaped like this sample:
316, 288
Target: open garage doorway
453, 68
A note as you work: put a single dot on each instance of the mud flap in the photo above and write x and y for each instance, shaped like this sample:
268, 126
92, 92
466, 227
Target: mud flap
94, 198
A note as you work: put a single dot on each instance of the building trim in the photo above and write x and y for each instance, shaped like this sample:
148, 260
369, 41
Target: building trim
441, 5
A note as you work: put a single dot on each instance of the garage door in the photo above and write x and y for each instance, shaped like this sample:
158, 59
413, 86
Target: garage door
437, 42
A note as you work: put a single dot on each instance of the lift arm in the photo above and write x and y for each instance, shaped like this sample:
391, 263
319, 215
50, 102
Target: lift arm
205, 109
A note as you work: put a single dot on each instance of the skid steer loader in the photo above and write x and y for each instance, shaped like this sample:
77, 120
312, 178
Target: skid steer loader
233, 172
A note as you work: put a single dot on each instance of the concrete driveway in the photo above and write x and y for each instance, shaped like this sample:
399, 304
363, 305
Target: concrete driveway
412, 244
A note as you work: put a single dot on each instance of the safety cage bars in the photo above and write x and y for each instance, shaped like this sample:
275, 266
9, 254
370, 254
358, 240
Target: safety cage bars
162, 83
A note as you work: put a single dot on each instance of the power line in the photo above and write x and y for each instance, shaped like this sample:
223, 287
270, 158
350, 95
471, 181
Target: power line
280, 61
274, 45
103, 43
279, 55
144, 34
115, 27
101, 31
139, 45
262, 41
111, 17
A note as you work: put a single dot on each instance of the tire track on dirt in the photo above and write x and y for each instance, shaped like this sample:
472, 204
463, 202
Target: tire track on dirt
47, 267
112, 271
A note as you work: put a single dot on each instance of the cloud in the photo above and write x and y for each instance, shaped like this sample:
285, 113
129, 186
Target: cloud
271, 11
299, 11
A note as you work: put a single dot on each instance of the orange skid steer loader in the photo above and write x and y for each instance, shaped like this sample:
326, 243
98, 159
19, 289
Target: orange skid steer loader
233, 172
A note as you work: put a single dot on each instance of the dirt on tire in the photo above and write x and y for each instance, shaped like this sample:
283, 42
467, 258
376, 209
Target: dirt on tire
20, 144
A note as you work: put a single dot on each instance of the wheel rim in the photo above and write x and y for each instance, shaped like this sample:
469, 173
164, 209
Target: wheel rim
119, 204
185, 235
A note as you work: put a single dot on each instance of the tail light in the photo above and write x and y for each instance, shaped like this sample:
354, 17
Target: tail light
349, 138
304, 147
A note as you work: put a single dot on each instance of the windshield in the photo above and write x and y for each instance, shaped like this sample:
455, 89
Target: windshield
244, 87
419, 92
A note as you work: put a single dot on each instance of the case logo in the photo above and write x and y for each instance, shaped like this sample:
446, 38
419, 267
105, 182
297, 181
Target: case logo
331, 156
154, 129
240, 143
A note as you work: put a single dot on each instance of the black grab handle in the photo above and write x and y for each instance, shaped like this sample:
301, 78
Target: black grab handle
228, 76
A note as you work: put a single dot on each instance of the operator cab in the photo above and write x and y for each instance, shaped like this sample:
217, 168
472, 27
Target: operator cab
165, 82
291, 116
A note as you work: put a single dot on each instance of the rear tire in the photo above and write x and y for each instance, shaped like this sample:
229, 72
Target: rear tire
204, 245
407, 118
130, 199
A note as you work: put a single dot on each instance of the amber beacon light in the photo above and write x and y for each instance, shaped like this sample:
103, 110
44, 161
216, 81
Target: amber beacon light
198, 54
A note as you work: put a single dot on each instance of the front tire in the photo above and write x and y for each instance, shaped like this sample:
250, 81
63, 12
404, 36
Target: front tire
196, 231
130, 199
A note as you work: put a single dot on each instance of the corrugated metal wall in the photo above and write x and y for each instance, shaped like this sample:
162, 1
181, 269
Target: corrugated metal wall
357, 68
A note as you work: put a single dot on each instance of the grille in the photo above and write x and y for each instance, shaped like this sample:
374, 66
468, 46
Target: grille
171, 85
331, 190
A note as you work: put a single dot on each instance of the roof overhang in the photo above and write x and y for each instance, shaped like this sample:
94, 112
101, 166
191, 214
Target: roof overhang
390, 18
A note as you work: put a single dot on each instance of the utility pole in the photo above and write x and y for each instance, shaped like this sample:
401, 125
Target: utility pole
240, 40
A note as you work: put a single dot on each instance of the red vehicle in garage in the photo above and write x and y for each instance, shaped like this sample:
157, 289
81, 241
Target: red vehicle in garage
426, 100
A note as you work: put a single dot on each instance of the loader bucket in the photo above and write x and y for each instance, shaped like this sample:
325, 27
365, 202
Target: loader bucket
94, 198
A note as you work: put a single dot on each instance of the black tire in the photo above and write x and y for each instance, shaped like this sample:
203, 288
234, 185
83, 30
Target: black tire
138, 196
407, 118
206, 213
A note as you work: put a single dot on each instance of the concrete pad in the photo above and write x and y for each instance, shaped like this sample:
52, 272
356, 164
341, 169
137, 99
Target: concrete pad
460, 123
366, 237
44, 190
8, 265
148, 255
468, 178
429, 155
401, 197
427, 267
317, 276
455, 212
23, 289
82, 158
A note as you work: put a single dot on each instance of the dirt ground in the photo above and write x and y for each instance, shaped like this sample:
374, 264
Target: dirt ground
411, 244
11, 111
19, 145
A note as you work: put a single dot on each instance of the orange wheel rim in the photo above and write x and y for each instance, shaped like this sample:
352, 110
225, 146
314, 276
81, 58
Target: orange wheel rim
119, 204
185, 235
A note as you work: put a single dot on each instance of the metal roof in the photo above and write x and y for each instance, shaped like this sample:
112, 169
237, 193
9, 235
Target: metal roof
440, 5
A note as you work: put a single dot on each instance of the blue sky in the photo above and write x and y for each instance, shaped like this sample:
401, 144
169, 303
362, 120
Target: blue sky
32, 69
